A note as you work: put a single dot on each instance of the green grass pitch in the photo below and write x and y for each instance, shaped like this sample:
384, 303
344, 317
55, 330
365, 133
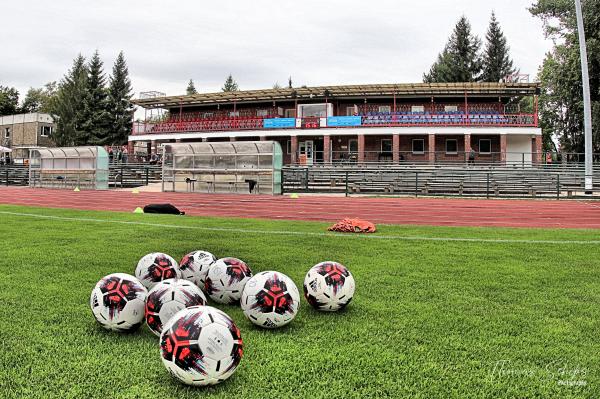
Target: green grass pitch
492, 313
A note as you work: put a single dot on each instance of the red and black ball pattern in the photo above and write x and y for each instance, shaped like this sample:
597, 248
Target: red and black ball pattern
335, 275
175, 345
274, 297
161, 269
117, 292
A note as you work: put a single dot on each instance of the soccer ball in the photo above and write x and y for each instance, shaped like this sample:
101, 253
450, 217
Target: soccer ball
194, 266
270, 299
156, 267
226, 280
329, 286
201, 346
169, 297
117, 302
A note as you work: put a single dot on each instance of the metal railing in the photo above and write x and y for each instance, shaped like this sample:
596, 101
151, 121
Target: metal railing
447, 181
120, 175
390, 119
520, 159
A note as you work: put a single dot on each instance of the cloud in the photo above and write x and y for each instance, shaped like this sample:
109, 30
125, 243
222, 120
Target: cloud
260, 42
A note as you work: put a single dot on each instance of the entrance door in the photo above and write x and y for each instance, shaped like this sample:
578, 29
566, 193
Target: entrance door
353, 149
306, 149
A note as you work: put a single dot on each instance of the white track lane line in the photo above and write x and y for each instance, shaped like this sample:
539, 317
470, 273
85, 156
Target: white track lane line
307, 234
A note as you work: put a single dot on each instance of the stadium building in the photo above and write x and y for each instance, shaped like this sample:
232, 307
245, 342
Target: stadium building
387, 123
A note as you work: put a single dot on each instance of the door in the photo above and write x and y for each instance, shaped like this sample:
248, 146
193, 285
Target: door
306, 149
352, 149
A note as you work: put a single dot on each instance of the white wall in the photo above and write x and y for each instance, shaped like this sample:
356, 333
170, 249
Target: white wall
25, 118
516, 146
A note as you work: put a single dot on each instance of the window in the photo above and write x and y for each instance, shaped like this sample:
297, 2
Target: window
7, 132
418, 146
315, 110
290, 113
386, 146
45, 131
262, 112
485, 146
451, 146
385, 108
418, 108
351, 111
451, 108
289, 146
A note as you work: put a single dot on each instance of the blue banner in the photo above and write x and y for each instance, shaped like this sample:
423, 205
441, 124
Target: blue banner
279, 123
343, 121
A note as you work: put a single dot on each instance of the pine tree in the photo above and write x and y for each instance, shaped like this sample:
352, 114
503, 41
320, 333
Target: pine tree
230, 84
290, 86
191, 89
497, 63
97, 119
460, 61
121, 109
68, 108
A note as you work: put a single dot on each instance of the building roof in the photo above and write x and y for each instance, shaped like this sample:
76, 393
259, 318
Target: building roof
346, 92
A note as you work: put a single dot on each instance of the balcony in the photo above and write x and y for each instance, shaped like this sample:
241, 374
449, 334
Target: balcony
178, 124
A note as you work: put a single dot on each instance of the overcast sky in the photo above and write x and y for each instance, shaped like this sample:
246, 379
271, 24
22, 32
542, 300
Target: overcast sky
260, 42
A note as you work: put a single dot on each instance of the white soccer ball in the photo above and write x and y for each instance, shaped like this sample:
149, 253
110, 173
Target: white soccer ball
329, 286
156, 267
169, 297
270, 299
194, 266
201, 346
226, 280
117, 302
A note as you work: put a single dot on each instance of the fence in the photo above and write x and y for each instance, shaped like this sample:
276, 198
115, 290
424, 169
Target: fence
437, 181
120, 175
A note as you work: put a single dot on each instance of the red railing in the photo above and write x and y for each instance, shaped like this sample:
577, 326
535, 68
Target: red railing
175, 125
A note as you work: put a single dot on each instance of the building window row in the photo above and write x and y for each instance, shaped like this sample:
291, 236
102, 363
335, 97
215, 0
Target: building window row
418, 146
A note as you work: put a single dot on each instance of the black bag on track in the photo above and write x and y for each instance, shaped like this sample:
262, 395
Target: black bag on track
165, 209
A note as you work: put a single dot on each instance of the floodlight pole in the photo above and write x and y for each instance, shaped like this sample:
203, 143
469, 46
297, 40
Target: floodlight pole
589, 166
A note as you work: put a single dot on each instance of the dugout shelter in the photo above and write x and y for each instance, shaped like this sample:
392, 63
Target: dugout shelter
250, 167
69, 168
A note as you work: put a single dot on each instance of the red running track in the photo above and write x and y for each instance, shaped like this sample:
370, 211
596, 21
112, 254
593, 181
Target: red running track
407, 211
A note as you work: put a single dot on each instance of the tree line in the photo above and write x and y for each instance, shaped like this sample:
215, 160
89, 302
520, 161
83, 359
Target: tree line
88, 108
561, 100
463, 60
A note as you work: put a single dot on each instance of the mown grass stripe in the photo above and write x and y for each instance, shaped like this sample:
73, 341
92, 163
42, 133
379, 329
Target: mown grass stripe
313, 234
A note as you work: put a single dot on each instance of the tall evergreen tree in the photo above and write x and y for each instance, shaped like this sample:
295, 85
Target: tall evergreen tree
496, 60
69, 105
191, 88
230, 84
290, 85
9, 100
120, 106
459, 61
97, 119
